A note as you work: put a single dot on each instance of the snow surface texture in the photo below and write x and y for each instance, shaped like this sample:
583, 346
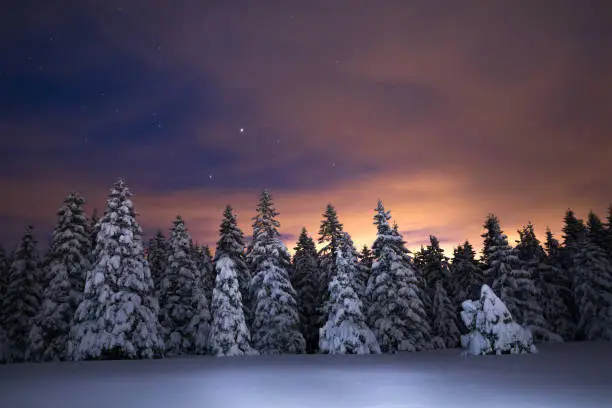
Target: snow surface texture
492, 329
565, 375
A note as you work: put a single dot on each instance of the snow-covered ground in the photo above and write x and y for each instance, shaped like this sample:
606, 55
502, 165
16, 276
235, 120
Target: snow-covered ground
562, 375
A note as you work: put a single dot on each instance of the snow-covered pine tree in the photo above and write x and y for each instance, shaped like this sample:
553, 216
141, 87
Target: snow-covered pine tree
229, 334
93, 229
4, 269
592, 272
69, 255
21, 301
492, 329
117, 318
330, 231
365, 258
435, 269
466, 273
556, 290
346, 330
231, 244
305, 280
275, 327
511, 281
532, 256
503, 267
186, 317
207, 270
157, 258
396, 313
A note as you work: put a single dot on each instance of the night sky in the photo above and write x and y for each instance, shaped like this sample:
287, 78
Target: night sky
446, 110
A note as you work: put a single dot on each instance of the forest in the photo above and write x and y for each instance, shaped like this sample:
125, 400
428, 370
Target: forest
100, 293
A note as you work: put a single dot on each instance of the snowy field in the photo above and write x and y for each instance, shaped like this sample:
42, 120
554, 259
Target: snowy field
562, 375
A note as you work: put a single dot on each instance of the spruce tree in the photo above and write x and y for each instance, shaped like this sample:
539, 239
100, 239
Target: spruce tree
231, 243
574, 234
21, 301
492, 329
511, 282
592, 273
551, 245
94, 229
186, 315
435, 269
4, 270
532, 256
305, 280
556, 290
330, 231
596, 231
275, 327
229, 334
118, 315
396, 313
69, 256
609, 232
574, 229
466, 273
207, 271
346, 330
157, 258
364, 267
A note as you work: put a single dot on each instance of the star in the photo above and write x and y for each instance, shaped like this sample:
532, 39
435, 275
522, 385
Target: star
334, 164
241, 130
210, 176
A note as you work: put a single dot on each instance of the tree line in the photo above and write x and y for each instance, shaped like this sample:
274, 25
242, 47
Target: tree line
98, 294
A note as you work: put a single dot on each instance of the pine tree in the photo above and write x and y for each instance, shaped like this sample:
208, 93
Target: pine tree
69, 256
396, 313
437, 278
574, 229
574, 234
346, 331
4, 270
490, 237
94, 229
231, 243
532, 256
305, 280
330, 231
609, 232
492, 330
207, 271
592, 273
21, 301
275, 326
229, 335
596, 231
513, 284
556, 290
157, 258
185, 315
117, 318
466, 273
551, 245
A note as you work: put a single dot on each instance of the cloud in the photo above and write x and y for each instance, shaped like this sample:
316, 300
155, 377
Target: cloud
446, 111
